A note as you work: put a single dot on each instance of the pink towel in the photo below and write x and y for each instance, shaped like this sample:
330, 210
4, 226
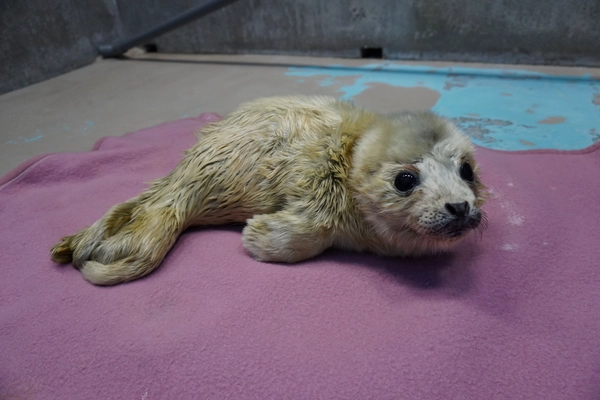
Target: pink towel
514, 315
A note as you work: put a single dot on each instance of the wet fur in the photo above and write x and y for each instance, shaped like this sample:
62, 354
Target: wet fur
304, 173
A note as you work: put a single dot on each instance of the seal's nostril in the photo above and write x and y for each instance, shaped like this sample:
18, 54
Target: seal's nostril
458, 209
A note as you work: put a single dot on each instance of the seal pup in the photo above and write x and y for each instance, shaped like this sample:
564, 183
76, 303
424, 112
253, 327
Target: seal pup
304, 173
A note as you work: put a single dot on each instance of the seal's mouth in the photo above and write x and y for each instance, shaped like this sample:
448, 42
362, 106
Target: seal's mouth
453, 229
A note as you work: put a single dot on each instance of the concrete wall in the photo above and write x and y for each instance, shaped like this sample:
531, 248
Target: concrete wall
41, 39
515, 31
44, 38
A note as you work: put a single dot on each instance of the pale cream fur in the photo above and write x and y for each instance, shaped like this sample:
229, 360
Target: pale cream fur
305, 174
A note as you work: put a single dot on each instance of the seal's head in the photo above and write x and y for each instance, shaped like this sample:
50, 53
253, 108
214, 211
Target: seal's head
417, 182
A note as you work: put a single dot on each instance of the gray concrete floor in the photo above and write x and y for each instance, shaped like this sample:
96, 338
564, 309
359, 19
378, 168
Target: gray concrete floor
112, 97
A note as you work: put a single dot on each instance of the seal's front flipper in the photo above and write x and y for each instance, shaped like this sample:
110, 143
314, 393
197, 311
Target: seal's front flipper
285, 237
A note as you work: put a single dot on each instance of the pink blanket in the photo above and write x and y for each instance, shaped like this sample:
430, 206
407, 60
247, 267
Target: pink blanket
515, 315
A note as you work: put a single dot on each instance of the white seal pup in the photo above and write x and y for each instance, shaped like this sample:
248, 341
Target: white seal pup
305, 174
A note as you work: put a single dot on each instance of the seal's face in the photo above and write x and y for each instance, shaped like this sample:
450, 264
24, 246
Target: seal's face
440, 195
418, 182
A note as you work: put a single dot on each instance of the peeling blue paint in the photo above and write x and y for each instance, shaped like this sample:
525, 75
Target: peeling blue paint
499, 108
33, 139
23, 139
88, 124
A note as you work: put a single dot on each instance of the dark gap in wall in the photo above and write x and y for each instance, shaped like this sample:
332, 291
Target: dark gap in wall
371, 52
150, 48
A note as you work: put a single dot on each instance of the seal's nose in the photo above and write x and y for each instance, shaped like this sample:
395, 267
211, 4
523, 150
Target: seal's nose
458, 209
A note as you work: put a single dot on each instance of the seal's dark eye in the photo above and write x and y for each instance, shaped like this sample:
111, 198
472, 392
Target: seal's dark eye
466, 172
405, 181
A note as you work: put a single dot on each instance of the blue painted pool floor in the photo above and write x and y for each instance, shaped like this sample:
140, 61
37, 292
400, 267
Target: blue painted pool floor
505, 109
